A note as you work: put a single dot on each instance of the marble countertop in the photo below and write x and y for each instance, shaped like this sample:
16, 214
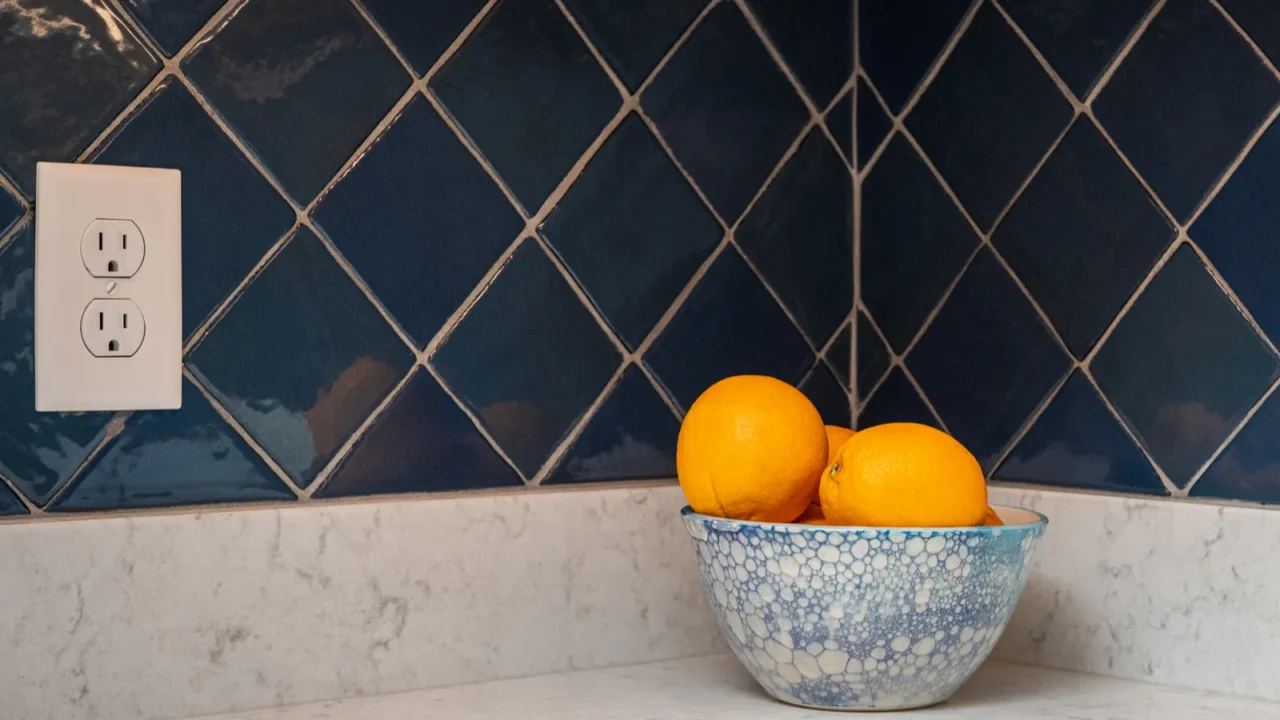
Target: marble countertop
717, 688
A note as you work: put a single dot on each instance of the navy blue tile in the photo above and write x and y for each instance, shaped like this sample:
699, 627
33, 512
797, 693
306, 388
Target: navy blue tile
187, 457
814, 41
900, 39
728, 325
1260, 20
726, 109
631, 437
1238, 231
10, 504
10, 210
70, 66
1181, 147
38, 451
838, 353
422, 442
526, 67
873, 123
914, 242
1249, 468
171, 23
826, 394
1082, 236
800, 236
989, 116
840, 123
873, 356
302, 358
416, 204
632, 231
423, 30
987, 360
633, 36
528, 358
1079, 38
1183, 366
1077, 442
231, 214
271, 68
896, 400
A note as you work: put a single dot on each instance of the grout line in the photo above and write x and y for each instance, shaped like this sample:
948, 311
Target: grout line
1026, 182
113, 429
1226, 443
32, 508
1123, 53
566, 442
1087, 360
618, 85
1169, 485
856, 208
865, 168
1237, 27
1231, 295
894, 360
365, 146
6, 185
1234, 165
1040, 58
943, 55
924, 397
1031, 419
475, 420
19, 226
220, 311
144, 96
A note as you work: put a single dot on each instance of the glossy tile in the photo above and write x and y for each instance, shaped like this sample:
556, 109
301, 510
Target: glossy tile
10, 505
726, 109
1249, 469
814, 40
631, 437
826, 393
164, 458
838, 353
989, 116
38, 451
10, 211
873, 357
1082, 236
171, 23
528, 358
1183, 366
900, 39
1079, 38
632, 231
1077, 442
799, 234
1260, 20
914, 242
896, 400
275, 62
231, 214
987, 361
422, 442
1181, 147
422, 31
873, 124
729, 325
526, 67
301, 359
418, 202
840, 122
634, 36
70, 66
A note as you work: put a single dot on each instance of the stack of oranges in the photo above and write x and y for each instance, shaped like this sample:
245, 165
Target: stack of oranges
755, 448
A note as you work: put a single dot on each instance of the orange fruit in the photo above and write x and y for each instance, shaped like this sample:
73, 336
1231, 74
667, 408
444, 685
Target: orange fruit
904, 475
812, 515
836, 438
751, 448
991, 519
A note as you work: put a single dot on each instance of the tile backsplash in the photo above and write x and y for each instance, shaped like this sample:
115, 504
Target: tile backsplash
435, 246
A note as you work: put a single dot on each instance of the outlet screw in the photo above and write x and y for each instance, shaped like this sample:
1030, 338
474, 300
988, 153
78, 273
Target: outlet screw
111, 287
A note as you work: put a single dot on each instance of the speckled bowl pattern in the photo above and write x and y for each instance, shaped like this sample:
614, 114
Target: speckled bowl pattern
863, 618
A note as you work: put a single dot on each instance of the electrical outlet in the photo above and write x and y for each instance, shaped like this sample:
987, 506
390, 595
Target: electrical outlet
108, 288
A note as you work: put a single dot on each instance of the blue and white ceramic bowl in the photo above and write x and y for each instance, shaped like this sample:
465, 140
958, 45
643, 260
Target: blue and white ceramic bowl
850, 618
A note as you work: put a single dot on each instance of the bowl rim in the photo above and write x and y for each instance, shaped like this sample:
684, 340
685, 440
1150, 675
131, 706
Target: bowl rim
1041, 521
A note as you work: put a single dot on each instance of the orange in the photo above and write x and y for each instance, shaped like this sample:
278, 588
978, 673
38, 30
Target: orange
991, 519
904, 475
812, 515
836, 438
751, 448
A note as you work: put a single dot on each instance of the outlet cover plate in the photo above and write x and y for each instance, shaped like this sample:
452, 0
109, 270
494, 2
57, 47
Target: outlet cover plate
69, 197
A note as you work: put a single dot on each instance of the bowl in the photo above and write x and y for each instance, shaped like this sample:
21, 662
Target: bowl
859, 618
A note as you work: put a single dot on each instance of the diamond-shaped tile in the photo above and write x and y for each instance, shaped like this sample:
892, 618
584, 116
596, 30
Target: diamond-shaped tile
632, 231
900, 39
304, 82
1183, 366
38, 451
1238, 231
726, 109
1180, 146
1077, 442
1260, 20
987, 361
826, 394
187, 457
989, 116
838, 353
914, 242
422, 31
799, 234
873, 356
9, 503
231, 214
1249, 468
528, 358
526, 67
896, 400
631, 437
840, 122
422, 442
10, 211
728, 325
873, 123
1079, 38
1082, 236
415, 204
70, 66
171, 23
301, 358
634, 36
814, 41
